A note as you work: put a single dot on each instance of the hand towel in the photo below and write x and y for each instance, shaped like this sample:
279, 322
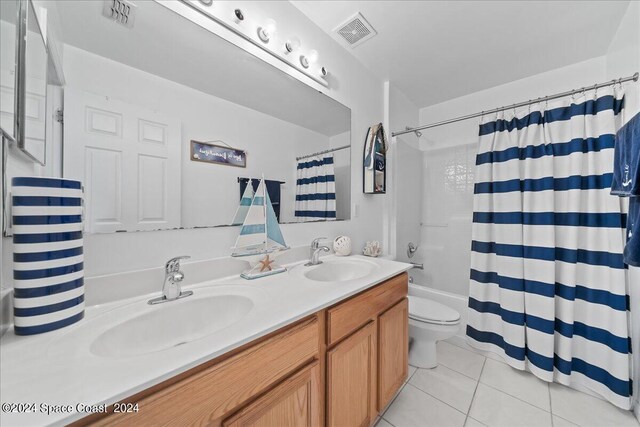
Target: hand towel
626, 166
632, 249
626, 183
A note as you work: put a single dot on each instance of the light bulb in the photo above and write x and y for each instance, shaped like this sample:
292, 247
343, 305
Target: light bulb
309, 59
291, 45
313, 56
268, 30
238, 16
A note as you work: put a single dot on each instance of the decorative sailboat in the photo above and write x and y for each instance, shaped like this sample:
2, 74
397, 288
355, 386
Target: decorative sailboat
245, 204
260, 239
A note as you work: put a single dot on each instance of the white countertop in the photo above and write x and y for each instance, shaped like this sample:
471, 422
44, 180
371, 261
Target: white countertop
58, 368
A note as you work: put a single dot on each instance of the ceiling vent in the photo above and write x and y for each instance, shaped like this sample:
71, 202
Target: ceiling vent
355, 30
122, 12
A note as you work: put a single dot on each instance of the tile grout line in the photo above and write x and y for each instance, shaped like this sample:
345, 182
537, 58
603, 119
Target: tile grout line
461, 373
468, 351
550, 403
517, 398
414, 372
441, 401
396, 396
475, 391
387, 421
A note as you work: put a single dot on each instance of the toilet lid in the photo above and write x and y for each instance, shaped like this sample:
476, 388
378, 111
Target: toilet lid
426, 310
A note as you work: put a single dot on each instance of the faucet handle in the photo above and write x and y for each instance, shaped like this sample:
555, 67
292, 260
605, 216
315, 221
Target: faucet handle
173, 265
316, 242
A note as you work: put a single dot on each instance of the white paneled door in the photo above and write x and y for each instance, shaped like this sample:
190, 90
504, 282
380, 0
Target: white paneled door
128, 158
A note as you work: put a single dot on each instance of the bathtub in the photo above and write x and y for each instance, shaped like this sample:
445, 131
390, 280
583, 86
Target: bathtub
455, 301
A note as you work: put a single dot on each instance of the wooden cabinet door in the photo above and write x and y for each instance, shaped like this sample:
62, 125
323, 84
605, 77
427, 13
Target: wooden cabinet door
296, 402
393, 348
351, 382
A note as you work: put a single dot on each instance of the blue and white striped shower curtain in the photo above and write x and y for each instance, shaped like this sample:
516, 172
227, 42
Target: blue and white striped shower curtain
548, 288
316, 189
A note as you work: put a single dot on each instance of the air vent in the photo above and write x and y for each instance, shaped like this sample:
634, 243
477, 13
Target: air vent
122, 12
355, 30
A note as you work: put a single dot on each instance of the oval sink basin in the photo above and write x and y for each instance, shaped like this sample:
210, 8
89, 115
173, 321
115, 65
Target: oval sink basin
339, 270
171, 324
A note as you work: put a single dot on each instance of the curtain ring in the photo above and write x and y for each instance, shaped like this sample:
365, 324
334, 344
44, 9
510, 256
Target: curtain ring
595, 90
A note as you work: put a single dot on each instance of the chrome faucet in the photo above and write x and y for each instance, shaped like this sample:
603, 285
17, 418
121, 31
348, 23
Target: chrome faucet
314, 251
172, 277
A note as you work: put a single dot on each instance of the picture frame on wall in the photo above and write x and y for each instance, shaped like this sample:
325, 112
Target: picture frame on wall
218, 154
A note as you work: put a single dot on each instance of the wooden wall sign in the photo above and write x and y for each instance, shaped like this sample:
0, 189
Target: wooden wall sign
212, 153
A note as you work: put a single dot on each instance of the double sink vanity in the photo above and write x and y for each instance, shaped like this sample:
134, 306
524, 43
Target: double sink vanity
318, 345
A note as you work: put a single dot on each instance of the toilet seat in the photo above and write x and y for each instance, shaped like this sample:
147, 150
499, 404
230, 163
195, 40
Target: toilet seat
428, 311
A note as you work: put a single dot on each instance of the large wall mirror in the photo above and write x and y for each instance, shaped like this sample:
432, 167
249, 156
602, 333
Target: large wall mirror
166, 124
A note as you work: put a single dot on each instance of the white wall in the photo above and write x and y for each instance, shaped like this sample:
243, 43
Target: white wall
351, 84
623, 59
449, 165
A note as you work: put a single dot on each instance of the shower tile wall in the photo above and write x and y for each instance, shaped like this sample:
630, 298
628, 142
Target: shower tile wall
410, 180
446, 217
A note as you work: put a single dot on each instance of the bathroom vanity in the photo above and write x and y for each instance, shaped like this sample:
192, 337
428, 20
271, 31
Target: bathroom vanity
342, 364
320, 345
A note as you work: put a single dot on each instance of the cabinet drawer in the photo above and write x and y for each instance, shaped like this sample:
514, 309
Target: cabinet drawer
348, 316
208, 396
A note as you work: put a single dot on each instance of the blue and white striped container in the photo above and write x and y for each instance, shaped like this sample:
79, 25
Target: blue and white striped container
48, 258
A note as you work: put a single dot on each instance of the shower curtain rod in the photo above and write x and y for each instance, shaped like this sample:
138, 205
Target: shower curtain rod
521, 104
323, 152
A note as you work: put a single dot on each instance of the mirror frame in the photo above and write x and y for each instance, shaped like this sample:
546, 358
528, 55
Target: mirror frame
21, 78
9, 135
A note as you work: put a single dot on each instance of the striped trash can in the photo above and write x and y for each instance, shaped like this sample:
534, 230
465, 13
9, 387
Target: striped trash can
48, 269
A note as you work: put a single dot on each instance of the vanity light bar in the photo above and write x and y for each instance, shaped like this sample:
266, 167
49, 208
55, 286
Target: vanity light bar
261, 39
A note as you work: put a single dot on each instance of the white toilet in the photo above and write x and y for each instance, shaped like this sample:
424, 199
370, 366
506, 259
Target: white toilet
429, 322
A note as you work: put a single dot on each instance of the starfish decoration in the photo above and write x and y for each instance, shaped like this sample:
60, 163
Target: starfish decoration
266, 264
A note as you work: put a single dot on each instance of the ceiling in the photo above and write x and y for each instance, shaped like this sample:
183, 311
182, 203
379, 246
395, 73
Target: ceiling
167, 45
434, 51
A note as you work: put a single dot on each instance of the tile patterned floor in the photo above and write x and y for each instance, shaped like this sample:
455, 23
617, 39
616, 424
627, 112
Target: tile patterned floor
470, 390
